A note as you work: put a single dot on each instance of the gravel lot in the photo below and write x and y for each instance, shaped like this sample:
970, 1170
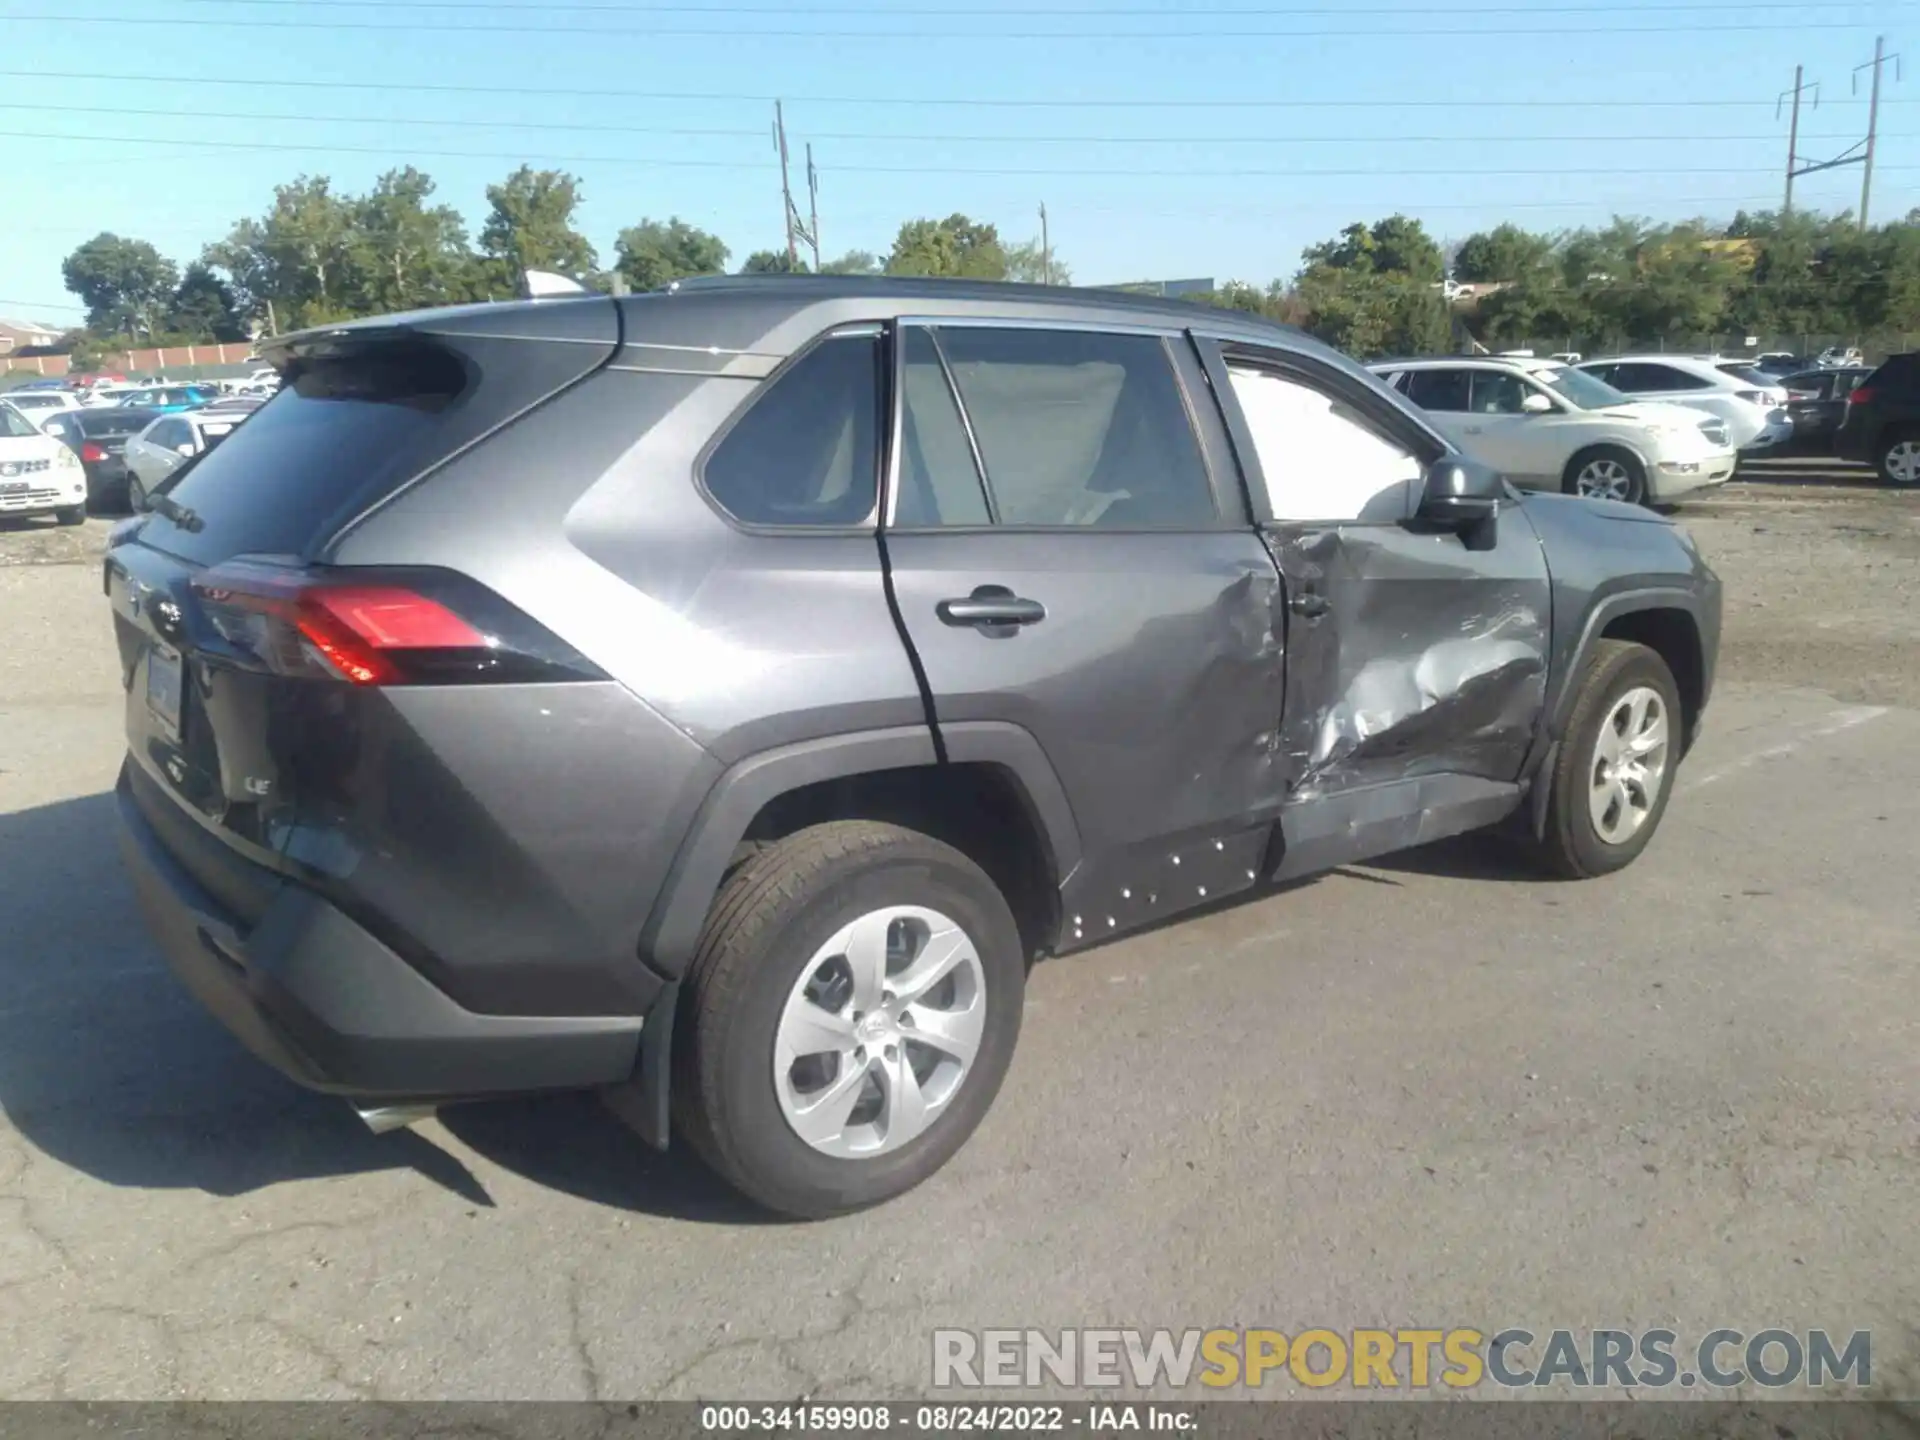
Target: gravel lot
1423, 1092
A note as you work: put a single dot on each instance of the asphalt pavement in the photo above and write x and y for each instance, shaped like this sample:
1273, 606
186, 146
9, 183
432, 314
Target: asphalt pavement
1429, 1091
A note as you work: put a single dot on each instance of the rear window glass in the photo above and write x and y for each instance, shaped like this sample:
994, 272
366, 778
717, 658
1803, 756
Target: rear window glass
343, 432
1897, 370
114, 422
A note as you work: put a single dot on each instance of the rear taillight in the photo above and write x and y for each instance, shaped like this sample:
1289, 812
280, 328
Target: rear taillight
381, 627
92, 453
1860, 395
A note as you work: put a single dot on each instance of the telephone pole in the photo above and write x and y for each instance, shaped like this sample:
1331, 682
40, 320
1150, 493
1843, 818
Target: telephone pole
1046, 249
1793, 130
1878, 63
813, 208
786, 189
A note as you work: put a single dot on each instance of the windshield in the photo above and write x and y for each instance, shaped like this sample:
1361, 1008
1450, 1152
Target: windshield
14, 425
1580, 389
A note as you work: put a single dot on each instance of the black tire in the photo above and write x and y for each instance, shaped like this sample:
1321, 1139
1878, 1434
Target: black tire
71, 514
1625, 459
1883, 460
1571, 845
771, 915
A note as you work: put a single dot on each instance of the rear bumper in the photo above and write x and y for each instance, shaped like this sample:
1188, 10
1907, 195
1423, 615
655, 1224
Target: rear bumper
310, 992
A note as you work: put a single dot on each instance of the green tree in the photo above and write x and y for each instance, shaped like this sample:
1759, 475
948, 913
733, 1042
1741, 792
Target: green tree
772, 262
126, 283
407, 254
530, 227
854, 262
654, 253
1396, 245
203, 308
1375, 290
1029, 263
955, 247
1504, 253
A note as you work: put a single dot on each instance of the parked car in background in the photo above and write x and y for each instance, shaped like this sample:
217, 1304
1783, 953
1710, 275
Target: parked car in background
37, 404
39, 475
1767, 386
170, 397
1756, 415
98, 435
170, 442
1882, 424
530, 684
1551, 427
1841, 355
1779, 362
1817, 400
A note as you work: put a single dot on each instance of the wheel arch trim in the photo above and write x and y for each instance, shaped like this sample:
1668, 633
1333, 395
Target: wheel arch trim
673, 929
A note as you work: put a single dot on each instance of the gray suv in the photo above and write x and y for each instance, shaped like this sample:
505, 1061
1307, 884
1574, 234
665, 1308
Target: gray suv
719, 697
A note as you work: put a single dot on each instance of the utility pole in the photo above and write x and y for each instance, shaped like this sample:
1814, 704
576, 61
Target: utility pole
813, 208
786, 190
1880, 58
1793, 130
1046, 249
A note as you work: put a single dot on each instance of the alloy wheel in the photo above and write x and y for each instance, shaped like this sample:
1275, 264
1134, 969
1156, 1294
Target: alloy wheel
880, 1032
1604, 479
1629, 763
1903, 462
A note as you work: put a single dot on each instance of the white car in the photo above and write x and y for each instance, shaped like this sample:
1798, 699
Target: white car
1754, 408
170, 442
36, 405
39, 475
1547, 426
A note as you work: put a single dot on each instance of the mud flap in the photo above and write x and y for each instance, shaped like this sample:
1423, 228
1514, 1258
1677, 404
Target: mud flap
643, 1102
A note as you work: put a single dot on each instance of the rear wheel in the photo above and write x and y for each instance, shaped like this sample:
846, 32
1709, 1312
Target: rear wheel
71, 515
1607, 472
1899, 462
1615, 766
851, 1013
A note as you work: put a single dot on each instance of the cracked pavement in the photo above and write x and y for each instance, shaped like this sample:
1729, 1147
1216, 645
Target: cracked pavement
1426, 1091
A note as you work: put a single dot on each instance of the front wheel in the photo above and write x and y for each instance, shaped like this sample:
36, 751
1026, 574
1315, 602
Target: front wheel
849, 1017
1899, 462
71, 515
1614, 770
1606, 472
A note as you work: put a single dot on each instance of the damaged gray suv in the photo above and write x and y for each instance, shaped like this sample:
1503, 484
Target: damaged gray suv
717, 698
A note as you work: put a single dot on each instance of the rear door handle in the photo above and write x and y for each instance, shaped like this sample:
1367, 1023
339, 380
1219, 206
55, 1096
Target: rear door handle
989, 606
1310, 604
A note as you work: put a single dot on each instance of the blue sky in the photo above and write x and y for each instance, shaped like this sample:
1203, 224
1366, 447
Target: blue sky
924, 107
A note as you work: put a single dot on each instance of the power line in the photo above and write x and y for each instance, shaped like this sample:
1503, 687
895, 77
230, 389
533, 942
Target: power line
677, 162
1508, 137
1078, 35
1082, 13
981, 102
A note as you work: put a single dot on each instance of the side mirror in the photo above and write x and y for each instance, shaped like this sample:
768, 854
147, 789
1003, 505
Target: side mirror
185, 449
1534, 403
1458, 493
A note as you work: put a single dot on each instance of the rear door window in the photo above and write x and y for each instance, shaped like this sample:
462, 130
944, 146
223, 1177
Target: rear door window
1442, 390
1080, 428
806, 450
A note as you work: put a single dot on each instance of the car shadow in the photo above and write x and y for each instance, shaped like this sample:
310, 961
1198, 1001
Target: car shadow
107, 1065
1465, 857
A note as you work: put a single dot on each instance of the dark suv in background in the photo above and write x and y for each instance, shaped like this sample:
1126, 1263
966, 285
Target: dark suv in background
719, 697
1882, 424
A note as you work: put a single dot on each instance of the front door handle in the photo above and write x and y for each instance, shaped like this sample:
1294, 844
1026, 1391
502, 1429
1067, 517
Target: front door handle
991, 606
1311, 604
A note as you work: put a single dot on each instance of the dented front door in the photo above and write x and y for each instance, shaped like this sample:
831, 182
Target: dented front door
1410, 654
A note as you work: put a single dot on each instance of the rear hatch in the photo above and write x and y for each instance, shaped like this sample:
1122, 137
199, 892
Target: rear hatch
249, 663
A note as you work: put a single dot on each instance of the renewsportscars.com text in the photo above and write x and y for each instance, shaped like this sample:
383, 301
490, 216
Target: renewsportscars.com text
1402, 1359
